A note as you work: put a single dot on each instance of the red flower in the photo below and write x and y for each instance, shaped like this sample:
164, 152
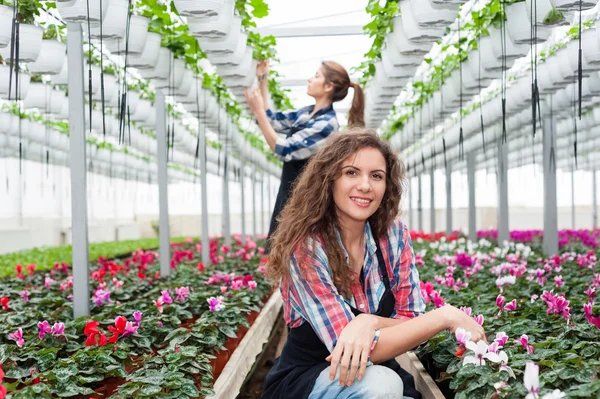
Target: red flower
141, 275
200, 266
31, 269
118, 330
460, 350
19, 270
4, 303
93, 335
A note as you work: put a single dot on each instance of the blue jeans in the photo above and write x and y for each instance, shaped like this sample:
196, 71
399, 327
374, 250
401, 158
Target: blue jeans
379, 382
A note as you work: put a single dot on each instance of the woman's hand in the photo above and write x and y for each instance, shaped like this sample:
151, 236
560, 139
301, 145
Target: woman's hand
459, 319
262, 68
255, 101
352, 349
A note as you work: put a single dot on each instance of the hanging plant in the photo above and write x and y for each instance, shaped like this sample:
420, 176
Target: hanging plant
53, 31
28, 10
260, 9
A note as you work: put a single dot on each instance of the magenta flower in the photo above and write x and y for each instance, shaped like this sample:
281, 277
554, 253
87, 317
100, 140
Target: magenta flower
437, 299
101, 296
558, 280
159, 304
466, 311
236, 284
182, 293
25, 295
557, 305
44, 327
523, 341
17, 336
479, 319
252, 284
587, 308
48, 282
166, 297
501, 339
137, 315
223, 289
500, 303
215, 304
591, 293
511, 306
58, 329
130, 328
462, 336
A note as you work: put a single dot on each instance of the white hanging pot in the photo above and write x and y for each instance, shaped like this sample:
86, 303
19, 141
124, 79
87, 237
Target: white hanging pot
62, 77
412, 29
77, 10
161, 69
132, 99
591, 86
138, 29
541, 10
6, 15
199, 8
488, 59
427, 13
5, 82
64, 111
51, 58
590, 45
96, 120
114, 22
8, 123
518, 25
176, 77
545, 84
512, 50
196, 95
148, 58
96, 75
214, 27
226, 44
59, 141
30, 43
556, 73
403, 44
230, 59
399, 60
186, 83
238, 71
110, 90
33, 131
243, 82
573, 5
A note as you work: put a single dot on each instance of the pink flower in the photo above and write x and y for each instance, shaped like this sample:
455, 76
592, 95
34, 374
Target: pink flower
17, 336
462, 336
44, 327
137, 315
511, 306
587, 308
223, 289
236, 284
558, 280
166, 297
523, 341
466, 311
159, 304
437, 299
48, 282
252, 284
501, 339
58, 329
182, 293
500, 302
479, 319
25, 295
494, 347
215, 304
591, 293
130, 328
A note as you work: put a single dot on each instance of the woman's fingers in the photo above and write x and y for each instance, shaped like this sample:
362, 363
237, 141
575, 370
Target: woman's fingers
335, 360
344, 364
364, 360
354, 365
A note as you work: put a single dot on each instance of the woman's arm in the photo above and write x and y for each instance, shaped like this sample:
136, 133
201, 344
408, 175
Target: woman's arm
262, 74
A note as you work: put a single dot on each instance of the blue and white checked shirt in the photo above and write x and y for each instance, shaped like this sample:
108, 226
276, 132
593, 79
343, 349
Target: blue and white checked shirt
304, 134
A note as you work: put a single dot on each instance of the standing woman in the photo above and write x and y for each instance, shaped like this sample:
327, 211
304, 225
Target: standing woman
349, 284
305, 129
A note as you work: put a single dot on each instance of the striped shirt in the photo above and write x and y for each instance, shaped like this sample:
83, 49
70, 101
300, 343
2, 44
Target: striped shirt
304, 134
311, 296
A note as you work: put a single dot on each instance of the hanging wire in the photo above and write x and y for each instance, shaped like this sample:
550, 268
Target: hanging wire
579, 68
89, 62
101, 74
535, 100
504, 67
461, 138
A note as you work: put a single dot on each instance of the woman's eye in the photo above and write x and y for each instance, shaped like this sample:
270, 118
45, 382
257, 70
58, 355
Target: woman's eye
377, 176
351, 172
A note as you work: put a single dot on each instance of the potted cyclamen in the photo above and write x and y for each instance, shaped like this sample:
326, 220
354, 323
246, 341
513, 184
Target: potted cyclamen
218, 26
52, 54
30, 36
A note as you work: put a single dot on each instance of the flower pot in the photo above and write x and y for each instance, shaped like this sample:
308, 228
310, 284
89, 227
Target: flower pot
199, 8
230, 59
403, 44
6, 15
427, 13
8, 123
215, 27
590, 44
51, 58
412, 29
185, 86
110, 90
77, 10
114, 22
148, 58
241, 70
5, 82
138, 29
177, 68
518, 25
243, 82
30, 43
573, 5
512, 50
226, 44
161, 69
62, 77
96, 75
540, 10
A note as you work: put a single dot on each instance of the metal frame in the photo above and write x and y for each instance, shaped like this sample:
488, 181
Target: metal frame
163, 185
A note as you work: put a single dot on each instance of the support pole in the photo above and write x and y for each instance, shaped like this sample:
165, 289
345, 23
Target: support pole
226, 215
204, 196
409, 200
550, 196
79, 221
262, 203
573, 198
472, 208
594, 200
432, 201
269, 209
254, 231
242, 177
420, 204
448, 199
163, 176
502, 179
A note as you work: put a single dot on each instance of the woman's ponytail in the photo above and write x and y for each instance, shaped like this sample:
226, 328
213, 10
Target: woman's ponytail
356, 117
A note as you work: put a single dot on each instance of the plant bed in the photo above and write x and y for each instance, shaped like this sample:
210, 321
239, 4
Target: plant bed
147, 336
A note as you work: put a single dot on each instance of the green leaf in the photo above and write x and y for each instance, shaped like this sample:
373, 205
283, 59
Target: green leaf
64, 373
189, 351
190, 390
149, 390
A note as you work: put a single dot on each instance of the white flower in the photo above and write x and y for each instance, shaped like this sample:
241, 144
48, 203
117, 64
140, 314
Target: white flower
531, 380
556, 394
503, 357
480, 349
462, 336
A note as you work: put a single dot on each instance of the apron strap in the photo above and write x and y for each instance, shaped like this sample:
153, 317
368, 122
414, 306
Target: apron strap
382, 266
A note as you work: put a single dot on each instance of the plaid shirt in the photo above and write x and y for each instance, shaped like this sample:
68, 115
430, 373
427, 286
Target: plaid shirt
304, 134
311, 296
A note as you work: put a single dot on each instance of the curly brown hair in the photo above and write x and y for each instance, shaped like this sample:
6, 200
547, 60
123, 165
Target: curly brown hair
310, 212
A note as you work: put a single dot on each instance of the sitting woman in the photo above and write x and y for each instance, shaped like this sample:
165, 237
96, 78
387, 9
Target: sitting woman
348, 279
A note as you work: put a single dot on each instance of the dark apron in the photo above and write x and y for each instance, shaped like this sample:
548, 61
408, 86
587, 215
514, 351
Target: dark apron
294, 373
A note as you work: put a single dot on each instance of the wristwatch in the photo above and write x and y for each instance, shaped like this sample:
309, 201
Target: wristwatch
262, 77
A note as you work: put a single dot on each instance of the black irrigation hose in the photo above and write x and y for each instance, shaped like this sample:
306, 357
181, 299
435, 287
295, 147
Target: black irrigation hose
444, 147
101, 73
89, 63
461, 141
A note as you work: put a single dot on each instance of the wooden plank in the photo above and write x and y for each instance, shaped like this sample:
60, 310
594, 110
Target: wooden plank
423, 381
241, 361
